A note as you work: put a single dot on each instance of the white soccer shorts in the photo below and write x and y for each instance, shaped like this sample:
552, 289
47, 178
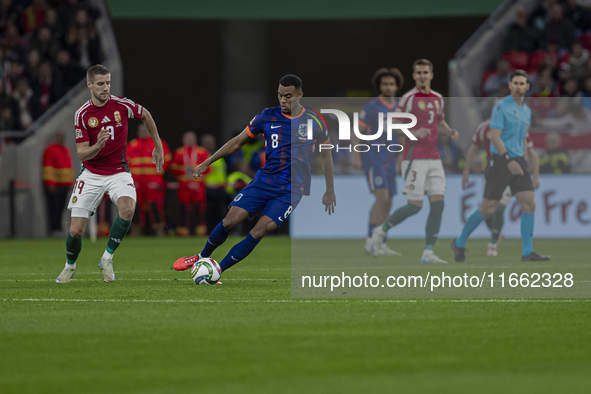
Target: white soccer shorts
423, 176
90, 188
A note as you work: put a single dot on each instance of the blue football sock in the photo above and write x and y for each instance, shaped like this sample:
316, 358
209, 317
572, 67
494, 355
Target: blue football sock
239, 252
471, 224
527, 233
218, 236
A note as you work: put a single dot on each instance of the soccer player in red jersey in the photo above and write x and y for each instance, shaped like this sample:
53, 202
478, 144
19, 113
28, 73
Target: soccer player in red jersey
101, 138
421, 168
495, 222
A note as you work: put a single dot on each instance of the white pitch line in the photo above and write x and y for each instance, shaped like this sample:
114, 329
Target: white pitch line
128, 279
282, 301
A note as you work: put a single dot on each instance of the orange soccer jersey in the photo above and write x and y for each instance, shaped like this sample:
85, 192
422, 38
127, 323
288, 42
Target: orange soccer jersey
184, 161
57, 166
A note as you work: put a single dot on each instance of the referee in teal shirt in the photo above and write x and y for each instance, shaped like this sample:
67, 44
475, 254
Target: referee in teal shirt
510, 119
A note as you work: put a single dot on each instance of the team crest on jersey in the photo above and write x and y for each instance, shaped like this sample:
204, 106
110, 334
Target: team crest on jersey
303, 130
78, 133
74, 199
411, 187
117, 116
93, 122
421, 105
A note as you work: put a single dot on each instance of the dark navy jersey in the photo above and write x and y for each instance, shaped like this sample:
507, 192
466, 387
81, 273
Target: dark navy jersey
369, 119
287, 148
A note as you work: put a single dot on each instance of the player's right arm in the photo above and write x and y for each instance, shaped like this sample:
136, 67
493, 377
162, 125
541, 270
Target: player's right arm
470, 156
230, 147
495, 138
497, 123
86, 152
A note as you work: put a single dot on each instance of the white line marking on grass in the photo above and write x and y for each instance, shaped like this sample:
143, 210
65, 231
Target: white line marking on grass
277, 301
135, 279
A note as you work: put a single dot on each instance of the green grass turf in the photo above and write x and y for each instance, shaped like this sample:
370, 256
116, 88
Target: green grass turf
152, 331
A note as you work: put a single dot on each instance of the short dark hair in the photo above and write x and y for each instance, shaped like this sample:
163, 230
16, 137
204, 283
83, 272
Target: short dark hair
291, 80
422, 62
97, 69
519, 73
387, 72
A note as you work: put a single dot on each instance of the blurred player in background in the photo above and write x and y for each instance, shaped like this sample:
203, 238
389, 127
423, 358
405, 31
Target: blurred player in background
379, 165
421, 168
481, 140
191, 193
278, 186
149, 184
101, 137
510, 120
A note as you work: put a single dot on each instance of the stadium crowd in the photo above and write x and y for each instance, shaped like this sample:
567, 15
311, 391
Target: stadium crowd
46, 47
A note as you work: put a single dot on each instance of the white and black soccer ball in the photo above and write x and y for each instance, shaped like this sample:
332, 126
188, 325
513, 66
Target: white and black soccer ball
206, 271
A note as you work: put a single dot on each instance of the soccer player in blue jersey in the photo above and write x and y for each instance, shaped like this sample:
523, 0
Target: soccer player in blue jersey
378, 163
279, 186
510, 120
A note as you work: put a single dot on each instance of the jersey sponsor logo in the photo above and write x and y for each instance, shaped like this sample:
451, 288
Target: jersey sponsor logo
379, 181
421, 104
238, 197
274, 127
105, 119
78, 133
93, 122
117, 116
74, 199
131, 184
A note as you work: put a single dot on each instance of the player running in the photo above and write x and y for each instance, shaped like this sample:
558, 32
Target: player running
278, 186
495, 222
422, 168
506, 167
379, 165
101, 139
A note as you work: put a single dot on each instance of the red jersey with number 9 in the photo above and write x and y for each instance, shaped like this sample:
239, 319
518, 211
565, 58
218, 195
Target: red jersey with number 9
428, 108
90, 120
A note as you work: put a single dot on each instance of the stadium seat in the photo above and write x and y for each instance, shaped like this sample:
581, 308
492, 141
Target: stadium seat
537, 58
518, 60
586, 41
485, 76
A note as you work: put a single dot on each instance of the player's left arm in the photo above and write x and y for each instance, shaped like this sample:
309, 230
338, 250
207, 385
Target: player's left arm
453, 133
329, 199
158, 152
534, 163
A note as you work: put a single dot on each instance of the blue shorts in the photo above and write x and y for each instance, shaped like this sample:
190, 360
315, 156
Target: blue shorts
276, 204
379, 177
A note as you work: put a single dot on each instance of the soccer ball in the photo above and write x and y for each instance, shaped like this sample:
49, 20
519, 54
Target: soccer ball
206, 271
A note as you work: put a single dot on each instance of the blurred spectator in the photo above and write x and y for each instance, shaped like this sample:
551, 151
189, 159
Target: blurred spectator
587, 95
575, 118
32, 66
67, 74
13, 44
9, 121
555, 160
451, 154
215, 183
558, 30
578, 60
46, 46
34, 16
6, 100
45, 91
58, 177
85, 49
51, 21
577, 14
542, 101
571, 88
521, 36
500, 77
8, 13
149, 184
14, 73
191, 193
29, 109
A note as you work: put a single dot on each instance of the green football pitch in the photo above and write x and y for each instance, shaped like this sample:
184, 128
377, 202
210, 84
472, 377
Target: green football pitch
153, 331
